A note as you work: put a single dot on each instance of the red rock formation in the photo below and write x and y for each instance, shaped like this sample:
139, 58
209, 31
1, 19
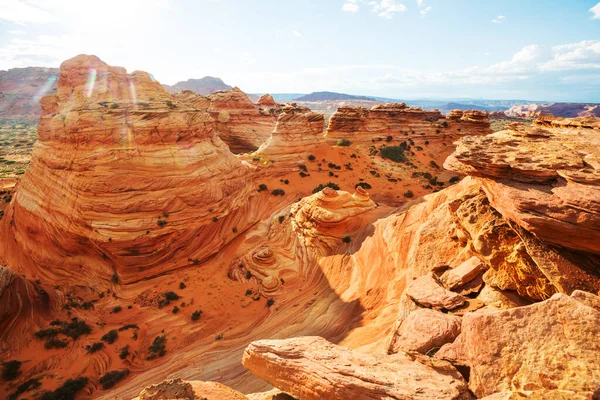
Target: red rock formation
177, 389
266, 100
297, 132
361, 124
20, 90
311, 368
567, 110
123, 179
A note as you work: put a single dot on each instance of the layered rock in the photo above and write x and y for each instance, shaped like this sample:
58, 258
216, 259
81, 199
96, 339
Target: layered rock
311, 368
178, 389
548, 345
546, 180
266, 100
124, 179
203, 86
567, 110
361, 124
20, 90
298, 130
240, 123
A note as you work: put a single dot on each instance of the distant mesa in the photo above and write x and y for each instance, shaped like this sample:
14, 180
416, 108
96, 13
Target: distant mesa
203, 86
324, 96
566, 110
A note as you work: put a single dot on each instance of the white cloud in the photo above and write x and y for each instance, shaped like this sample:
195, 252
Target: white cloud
350, 6
296, 33
387, 8
499, 19
596, 11
423, 10
22, 12
420, 3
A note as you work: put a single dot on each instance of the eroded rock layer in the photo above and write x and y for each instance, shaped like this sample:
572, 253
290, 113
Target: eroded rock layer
124, 181
361, 124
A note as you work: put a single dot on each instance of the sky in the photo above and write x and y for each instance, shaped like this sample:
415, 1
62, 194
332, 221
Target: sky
545, 50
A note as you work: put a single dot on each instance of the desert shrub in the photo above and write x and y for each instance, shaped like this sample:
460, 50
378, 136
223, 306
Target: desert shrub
346, 239
182, 285
128, 326
281, 219
26, 386
270, 302
332, 185
278, 192
116, 309
344, 142
76, 328
111, 378
157, 348
114, 105
303, 167
394, 153
433, 181
161, 222
434, 164
389, 139
94, 347
11, 370
408, 193
54, 343
454, 179
47, 333
311, 157
124, 352
364, 185
67, 391
175, 310
196, 314
445, 124
215, 219
331, 173
262, 187
170, 104
114, 278
304, 174
219, 336
110, 337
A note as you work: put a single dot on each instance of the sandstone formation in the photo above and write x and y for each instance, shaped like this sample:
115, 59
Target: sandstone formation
464, 273
20, 90
297, 132
428, 292
122, 181
568, 110
266, 100
177, 389
240, 123
361, 124
425, 330
548, 345
311, 368
203, 86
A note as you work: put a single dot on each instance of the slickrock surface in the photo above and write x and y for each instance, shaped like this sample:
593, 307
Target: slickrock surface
297, 132
425, 330
240, 123
312, 368
537, 395
428, 292
123, 180
544, 179
547, 345
361, 124
177, 389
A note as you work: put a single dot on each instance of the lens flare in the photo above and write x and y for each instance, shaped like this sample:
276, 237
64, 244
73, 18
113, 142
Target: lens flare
49, 82
91, 82
132, 92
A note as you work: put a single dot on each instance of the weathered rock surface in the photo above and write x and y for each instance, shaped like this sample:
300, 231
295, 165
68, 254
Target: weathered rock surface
568, 110
266, 100
123, 180
298, 130
203, 86
312, 368
361, 124
428, 292
424, 330
537, 395
177, 389
464, 273
547, 345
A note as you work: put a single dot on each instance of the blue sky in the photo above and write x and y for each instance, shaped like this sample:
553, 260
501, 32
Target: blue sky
501, 49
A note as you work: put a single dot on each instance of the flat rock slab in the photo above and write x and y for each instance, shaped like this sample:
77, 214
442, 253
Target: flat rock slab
550, 345
428, 292
311, 368
464, 273
424, 330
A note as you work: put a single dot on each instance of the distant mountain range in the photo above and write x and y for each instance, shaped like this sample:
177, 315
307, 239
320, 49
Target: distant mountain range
203, 86
324, 96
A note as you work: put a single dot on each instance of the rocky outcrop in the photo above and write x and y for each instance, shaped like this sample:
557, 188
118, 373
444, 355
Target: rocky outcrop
266, 100
428, 292
240, 123
361, 124
546, 180
123, 179
203, 86
547, 345
311, 368
177, 389
297, 132
20, 90
567, 110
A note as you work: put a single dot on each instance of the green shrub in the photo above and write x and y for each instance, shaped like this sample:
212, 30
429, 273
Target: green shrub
110, 337
114, 105
182, 285
408, 193
281, 219
128, 326
270, 302
394, 153
311, 157
54, 343
175, 310
117, 309
364, 185
346, 239
67, 391
454, 179
344, 142
94, 347
278, 192
111, 378
161, 222
158, 347
26, 386
262, 187
124, 352
332, 185
11, 370
196, 315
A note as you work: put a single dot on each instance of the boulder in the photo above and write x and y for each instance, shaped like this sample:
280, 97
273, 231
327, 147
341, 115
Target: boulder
428, 292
